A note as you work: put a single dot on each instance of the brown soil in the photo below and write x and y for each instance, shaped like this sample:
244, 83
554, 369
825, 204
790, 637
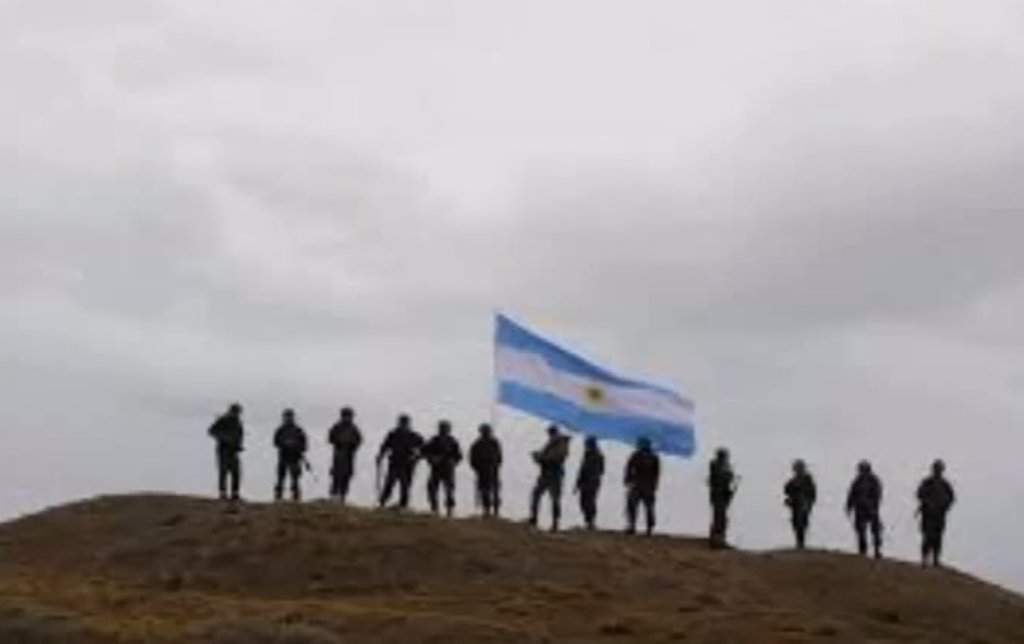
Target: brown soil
173, 569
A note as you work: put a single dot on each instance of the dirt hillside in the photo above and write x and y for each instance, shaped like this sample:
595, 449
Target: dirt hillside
174, 569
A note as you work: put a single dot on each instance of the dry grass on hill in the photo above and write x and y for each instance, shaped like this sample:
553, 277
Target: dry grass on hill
175, 569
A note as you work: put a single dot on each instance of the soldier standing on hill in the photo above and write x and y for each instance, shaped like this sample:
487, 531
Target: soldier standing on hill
444, 454
551, 460
228, 432
485, 459
801, 493
722, 488
935, 497
402, 446
290, 441
346, 439
863, 503
588, 480
643, 470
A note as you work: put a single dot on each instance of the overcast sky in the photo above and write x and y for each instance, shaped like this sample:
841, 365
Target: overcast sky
806, 215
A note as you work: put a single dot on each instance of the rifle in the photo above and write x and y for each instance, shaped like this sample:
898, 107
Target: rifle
376, 479
309, 468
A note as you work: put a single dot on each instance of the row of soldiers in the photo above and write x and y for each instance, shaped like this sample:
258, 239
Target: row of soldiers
403, 448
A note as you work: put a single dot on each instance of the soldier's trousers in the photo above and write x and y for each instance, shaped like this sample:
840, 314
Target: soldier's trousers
800, 520
229, 473
399, 474
868, 521
719, 523
441, 477
341, 474
488, 489
588, 502
551, 486
290, 468
933, 526
636, 497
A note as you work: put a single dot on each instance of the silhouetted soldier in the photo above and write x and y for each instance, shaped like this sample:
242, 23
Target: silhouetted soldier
935, 497
346, 439
443, 454
485, 459
643, 470
863, 503
801, 493
402, 447
551, 460
588, 480
228, 432
722, 488
290, 441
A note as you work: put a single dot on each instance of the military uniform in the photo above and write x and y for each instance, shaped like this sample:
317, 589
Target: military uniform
346, 439
443, 453
485, 459
402, 447
801, 494
588, 482
551, 460
228, 432
935, 497
864, 502
721, 486
643, 471
290, 441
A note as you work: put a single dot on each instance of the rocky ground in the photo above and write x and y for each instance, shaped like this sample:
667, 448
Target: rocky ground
175, 569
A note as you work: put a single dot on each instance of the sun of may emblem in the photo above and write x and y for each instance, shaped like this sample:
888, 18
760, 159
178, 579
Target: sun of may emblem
595, 395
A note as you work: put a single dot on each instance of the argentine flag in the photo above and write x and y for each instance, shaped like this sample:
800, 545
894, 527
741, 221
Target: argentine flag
537, 377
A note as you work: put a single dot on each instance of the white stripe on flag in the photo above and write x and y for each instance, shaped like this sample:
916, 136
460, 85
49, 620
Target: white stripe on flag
531, 370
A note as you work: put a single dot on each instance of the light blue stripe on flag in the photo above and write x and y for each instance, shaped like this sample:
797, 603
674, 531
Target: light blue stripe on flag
540, 378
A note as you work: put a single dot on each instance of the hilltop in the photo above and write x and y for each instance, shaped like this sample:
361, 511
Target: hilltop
176, 569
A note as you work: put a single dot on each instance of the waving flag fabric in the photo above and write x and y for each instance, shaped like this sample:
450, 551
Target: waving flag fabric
540, 378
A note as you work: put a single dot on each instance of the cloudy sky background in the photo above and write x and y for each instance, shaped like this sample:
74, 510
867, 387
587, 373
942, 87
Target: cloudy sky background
805, 214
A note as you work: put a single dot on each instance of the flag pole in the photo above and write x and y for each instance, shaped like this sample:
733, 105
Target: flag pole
495, 385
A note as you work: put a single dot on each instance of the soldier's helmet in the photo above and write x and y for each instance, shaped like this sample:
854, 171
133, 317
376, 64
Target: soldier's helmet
799, 466
938, 467
444, 427
864, 467
289, 414
404, 420
485, 430
235, 409
644, 443
722, 454
347, 413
